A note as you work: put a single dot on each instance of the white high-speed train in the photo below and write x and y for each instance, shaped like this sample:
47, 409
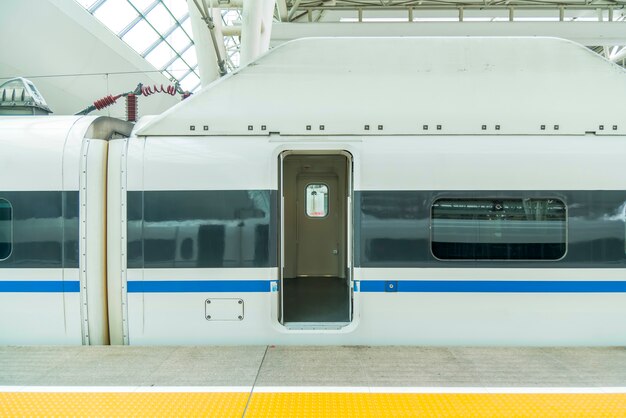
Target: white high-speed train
433, 191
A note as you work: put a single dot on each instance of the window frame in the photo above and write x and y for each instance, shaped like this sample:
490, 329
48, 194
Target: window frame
306, 212
10, 229
561, 199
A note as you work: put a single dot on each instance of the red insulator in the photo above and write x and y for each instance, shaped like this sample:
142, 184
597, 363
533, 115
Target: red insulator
106, 101
131, 108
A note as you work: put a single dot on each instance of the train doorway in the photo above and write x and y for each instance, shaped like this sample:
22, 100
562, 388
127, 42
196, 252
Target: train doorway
316, 290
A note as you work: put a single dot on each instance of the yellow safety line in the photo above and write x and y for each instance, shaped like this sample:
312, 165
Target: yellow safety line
298, 405
116, 404
313, 404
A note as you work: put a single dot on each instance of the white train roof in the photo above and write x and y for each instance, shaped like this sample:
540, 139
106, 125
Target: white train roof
384, 86
57, 128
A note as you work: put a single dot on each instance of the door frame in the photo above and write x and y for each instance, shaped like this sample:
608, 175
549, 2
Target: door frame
349, 226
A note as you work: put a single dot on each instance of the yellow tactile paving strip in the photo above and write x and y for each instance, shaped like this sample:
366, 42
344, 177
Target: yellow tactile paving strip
71, 404
295, 405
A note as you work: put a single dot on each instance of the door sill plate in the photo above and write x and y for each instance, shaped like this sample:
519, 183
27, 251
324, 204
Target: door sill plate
322, 326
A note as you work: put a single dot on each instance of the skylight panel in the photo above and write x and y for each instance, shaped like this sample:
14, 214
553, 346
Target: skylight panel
153, 28
160, 18
186, 24
190, 82
179, 40
142, 5
116, 14
160, 55
178, 8
190, 56
178, 68
140, 37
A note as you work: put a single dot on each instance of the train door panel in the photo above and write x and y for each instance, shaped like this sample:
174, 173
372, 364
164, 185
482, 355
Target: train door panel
318, 227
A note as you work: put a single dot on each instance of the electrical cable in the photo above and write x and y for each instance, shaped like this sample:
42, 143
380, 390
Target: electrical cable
140, 90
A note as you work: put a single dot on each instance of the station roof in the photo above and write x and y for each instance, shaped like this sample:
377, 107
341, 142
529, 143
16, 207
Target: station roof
158, 30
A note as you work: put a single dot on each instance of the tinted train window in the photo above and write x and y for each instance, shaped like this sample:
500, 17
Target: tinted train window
498, 229
6, 230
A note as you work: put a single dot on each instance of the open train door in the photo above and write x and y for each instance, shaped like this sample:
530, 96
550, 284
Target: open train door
316, 279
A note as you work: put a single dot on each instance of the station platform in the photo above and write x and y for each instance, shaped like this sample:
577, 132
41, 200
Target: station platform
278, 381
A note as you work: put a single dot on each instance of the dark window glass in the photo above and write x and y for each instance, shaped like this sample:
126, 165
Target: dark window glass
6, 229
498, 229
201, 228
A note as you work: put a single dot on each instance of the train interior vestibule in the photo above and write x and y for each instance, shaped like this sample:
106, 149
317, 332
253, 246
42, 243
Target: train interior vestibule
315, 276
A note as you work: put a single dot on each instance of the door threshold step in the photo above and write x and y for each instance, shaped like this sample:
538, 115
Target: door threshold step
315, 325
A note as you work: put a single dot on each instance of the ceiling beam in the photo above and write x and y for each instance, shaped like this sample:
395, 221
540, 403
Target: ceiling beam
283, 12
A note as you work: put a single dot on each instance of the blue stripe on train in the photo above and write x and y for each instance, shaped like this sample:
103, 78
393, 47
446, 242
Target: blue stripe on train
424, 286
43, 286
175, 286
368, 286
488, 286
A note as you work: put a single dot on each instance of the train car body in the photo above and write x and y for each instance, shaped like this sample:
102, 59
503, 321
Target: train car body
460, 191
52, 223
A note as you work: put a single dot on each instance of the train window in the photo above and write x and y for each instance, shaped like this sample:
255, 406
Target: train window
498, 229
316, 200
6, 218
